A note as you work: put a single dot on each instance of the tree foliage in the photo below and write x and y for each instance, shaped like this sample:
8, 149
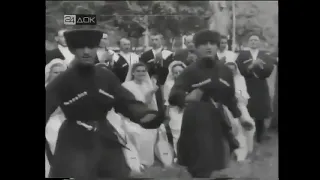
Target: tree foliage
259, 17
172, 18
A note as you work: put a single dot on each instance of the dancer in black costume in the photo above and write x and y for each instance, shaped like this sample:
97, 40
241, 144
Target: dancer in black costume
87, 146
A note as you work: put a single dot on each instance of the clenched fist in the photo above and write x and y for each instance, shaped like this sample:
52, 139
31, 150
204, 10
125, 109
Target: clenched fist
191, 57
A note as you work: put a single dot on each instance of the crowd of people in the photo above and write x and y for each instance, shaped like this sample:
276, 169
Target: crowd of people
109, 114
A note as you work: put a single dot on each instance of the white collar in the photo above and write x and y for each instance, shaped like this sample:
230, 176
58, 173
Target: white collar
155, 51
223, 51
254, 50
254, 53
125, 54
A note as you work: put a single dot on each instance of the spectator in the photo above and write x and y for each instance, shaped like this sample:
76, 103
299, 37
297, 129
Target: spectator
126, 59
140, 85
186, 55
223, 53
62, 51
256, 66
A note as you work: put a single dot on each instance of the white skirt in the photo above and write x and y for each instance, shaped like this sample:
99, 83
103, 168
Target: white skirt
47, 167
244, 137
52, 130
175, 125
143, 139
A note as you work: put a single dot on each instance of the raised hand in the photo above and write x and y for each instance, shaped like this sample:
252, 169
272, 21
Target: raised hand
108, 57
191, 57
259, 62
223, 59
246, 123
155, 87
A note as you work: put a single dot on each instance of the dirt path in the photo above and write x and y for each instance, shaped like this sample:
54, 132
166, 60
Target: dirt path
264, 166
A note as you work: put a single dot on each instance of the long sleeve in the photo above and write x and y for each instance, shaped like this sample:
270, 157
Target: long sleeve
180, 89
146, 58
229, 99
127, 105
266, 69
119, 72
243, 64
166, 92
242, 87
52, 97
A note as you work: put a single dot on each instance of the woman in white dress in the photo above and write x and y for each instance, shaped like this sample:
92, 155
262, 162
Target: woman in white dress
52, 70
243, 135
173, 112
140, 85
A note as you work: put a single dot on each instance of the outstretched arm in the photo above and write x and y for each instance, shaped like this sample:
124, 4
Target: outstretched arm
179, 94
243, 63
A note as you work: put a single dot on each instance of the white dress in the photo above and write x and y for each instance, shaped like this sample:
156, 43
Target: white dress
56, 119
175, 114
47, 167
52, 128
51, 134
143, 139
244, 137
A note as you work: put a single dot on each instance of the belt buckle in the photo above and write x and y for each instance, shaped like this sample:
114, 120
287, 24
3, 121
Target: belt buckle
93, 127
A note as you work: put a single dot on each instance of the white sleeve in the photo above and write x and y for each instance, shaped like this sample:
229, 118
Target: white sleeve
166, 53
166, 92
243, 89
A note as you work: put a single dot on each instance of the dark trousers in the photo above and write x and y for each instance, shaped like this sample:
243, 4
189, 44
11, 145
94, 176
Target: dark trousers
87, 155
260, 129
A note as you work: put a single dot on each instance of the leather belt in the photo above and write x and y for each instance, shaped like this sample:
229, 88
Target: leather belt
93, 126
89, 127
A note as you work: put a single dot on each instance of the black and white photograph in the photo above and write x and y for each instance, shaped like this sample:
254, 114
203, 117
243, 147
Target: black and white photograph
161, 90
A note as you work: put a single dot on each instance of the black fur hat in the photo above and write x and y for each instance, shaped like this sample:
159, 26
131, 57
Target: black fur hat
205, 36
81, 38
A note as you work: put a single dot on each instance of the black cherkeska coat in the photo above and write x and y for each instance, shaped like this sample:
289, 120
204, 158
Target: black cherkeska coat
259, 104
87, 146
206, 142
159, 70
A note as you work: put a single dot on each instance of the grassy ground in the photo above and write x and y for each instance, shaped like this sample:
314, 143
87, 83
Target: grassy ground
263, 166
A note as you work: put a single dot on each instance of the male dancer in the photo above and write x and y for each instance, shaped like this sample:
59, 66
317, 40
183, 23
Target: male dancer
206, 141
62, 51
87, 146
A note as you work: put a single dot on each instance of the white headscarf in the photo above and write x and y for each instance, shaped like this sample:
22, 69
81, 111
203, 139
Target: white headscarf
49, 66
147, 85
170, 80
240, 82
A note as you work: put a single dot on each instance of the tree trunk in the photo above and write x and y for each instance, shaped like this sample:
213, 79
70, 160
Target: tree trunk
220, 19
146, 38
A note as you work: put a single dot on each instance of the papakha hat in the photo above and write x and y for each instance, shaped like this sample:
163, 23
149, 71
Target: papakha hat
205, 36
81, 38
